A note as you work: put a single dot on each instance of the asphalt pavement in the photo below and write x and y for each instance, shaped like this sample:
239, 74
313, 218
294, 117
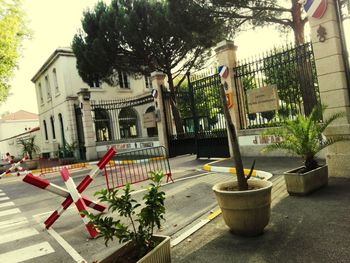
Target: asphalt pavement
302, 229
314, 228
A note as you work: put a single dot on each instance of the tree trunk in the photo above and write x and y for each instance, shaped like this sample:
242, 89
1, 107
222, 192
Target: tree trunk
174, 109
298, 23
242, 180
304, 67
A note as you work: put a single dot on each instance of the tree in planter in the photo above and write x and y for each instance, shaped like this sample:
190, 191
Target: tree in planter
140, 37
142, 223
28, 146
303, 136
241, 178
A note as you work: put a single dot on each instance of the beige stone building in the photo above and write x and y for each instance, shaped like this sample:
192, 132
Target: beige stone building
72, 111
16, 125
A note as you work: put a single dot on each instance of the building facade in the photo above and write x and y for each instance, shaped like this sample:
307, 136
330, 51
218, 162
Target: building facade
65, 103
20, 124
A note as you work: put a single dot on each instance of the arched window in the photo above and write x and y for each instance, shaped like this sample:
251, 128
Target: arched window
60, 119
53, 128
128, 123
102, 125
55, 82
45, 130
151, 124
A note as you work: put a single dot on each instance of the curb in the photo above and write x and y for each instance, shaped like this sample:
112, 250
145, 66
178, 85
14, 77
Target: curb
199, 225
256, 173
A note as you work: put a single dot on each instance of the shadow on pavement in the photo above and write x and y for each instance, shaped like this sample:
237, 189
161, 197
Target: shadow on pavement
302, 229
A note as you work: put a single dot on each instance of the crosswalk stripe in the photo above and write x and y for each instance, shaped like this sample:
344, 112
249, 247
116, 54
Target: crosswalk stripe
23, 233
7, 204
2, 194
4, 198
27, 253
10, 212
13, 222
0, 191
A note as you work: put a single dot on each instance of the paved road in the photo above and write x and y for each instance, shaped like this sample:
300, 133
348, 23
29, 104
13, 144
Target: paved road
23, 208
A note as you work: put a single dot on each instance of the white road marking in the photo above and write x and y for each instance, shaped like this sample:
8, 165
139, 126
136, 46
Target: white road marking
4, 198
27, 253
7, 204
65, 245
2, 194
23, 233
10, 212
13, 222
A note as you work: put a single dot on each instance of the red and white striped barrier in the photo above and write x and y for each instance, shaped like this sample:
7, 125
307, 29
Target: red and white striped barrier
16, 167
46, 185
81, 187
78, 200
71, 196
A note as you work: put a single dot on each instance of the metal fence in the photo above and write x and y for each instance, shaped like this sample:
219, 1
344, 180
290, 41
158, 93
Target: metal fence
291, 71
135, 166
122, 119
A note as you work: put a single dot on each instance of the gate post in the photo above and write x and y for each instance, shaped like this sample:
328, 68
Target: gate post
89, 135
333, 86
226, 56
157, 79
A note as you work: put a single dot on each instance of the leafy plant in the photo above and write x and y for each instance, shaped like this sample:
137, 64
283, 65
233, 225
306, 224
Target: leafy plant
68, 150
29, 146
303, 136
142, 222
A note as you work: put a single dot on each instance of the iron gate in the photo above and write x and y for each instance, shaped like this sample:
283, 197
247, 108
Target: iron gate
202, 120
291, 71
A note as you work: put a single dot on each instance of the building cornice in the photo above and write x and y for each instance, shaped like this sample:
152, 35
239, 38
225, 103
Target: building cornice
58, 52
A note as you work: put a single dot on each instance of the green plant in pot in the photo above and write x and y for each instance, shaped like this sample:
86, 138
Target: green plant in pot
245, 205
141, 243
29, 146
303, 137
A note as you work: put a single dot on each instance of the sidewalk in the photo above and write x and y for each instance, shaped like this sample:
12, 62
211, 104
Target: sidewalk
302, 229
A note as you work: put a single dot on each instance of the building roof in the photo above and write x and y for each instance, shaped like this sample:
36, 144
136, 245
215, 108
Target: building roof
61, 51
20, 115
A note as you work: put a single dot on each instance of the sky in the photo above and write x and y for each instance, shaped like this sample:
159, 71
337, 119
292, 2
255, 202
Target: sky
54, 23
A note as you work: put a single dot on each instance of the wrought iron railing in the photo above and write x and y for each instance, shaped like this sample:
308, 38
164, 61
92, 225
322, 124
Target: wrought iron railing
292, 71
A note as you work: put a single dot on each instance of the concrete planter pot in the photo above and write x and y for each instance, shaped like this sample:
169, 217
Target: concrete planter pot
31, 164
303, 184
246, 213
160, 254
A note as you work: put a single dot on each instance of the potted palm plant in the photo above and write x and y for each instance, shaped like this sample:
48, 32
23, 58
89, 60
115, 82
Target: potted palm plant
29, 147
303, 136
142, 245
245, 206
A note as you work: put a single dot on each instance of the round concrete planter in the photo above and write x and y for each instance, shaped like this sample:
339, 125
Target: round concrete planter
160, 254
31, 164
303, 184
246, 213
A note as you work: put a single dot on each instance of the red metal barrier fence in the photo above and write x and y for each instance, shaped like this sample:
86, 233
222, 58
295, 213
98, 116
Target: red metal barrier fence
50, 165
134, 166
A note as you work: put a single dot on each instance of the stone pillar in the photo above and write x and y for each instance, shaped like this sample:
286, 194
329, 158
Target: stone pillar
157, 79
333, 86
89, 135
226, 56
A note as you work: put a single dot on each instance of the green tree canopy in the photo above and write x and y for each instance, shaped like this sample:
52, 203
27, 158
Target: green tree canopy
286, 14
140, 36
12, 33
